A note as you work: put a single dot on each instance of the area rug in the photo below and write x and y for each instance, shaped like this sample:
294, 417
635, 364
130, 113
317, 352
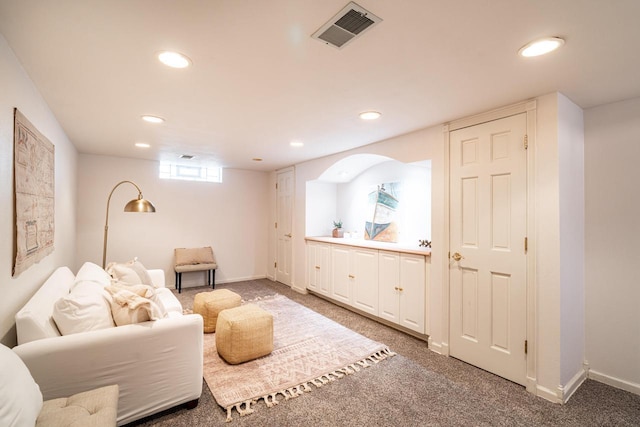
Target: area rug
309, 350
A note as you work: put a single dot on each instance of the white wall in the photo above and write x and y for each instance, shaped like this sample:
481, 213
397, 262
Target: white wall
232, 217
572, 292
612, 150
559, 213
18, 91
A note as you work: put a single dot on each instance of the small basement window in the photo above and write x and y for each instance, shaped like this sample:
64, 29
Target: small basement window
190, 173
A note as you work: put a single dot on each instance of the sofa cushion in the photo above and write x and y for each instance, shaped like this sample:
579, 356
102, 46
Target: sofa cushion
98, 407
86, 308
128, 306
131, 272
20, 395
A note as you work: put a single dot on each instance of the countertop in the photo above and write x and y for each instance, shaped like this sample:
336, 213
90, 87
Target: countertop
361, 243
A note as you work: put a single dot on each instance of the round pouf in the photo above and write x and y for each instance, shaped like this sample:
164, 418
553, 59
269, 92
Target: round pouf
210, 304
244, 333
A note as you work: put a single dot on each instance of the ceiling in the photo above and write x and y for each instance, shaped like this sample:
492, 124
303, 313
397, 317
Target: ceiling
259, 81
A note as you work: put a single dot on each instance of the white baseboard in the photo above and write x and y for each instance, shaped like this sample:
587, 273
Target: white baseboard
614, 382
241, 279
573, 384
438, 347
194, 283
548, 394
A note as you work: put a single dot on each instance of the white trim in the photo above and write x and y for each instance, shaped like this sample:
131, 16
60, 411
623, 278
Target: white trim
548, 394
434, 346
532, 288
614, 382
239, 279
445, 246
573, 384
498, 113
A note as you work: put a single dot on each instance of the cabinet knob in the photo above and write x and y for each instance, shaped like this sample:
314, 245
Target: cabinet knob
351, 276
396, 288
400, 289
317, 267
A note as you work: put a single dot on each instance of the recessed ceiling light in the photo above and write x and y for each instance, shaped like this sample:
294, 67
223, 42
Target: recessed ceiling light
370, 115
257, 159
296, 144
142, 145
153, 119
541, 46
186, 156
174, 59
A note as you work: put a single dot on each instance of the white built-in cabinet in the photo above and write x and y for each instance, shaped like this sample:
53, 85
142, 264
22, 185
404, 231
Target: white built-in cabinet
387, 284
319, 267
401, 284
355, 277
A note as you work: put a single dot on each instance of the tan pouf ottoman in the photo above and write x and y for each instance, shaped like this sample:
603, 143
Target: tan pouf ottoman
244, 333
210, 304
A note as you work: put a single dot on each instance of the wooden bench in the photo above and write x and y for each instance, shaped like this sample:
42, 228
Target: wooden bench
195, 259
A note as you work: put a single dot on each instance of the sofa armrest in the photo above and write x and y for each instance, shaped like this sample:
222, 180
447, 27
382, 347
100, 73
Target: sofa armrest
157, 365
157, 277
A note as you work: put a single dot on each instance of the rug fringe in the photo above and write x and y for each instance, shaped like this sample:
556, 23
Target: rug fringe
271, 399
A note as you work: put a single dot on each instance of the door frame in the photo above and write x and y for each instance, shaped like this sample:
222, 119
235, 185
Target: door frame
290, 169
529, 107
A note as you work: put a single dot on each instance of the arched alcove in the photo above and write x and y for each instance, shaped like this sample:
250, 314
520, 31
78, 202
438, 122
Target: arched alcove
341, 193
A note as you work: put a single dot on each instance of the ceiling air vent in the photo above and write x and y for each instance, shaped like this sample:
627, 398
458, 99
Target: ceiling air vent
348, 24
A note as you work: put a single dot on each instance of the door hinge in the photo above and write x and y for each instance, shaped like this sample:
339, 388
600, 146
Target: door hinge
526, 244
449, 255
275, 265
276, 225
276, 185
526, 346
526, 142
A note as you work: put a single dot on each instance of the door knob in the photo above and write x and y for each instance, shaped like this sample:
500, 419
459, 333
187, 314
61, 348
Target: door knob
457, 257
287, 235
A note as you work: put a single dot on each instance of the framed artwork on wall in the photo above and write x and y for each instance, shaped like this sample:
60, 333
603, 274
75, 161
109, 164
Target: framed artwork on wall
34, 194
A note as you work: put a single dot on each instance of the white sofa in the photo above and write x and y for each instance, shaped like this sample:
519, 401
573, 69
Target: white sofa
156, 364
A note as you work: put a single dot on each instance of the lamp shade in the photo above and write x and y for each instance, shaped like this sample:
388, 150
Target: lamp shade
139, 205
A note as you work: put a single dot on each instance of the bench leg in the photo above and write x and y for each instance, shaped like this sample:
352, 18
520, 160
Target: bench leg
179, 282
213, 279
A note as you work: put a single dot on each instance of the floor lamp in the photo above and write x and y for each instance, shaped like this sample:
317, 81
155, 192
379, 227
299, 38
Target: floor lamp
137, 205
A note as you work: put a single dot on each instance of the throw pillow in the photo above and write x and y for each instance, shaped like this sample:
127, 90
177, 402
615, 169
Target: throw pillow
129, 307
20, 395
131, 272
86, 308
90, 272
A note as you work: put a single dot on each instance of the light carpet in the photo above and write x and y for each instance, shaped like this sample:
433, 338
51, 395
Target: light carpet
309, 349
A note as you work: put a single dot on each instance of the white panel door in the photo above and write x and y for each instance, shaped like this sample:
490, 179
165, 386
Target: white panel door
364, 279
340, 272
284, 207
488, 167
389, 285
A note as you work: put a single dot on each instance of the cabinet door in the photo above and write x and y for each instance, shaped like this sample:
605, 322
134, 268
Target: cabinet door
341, 286
412, 299
312, 266
388, 284
323, 273
365, 280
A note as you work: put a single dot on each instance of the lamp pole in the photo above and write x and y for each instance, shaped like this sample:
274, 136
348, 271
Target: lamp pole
136, 205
